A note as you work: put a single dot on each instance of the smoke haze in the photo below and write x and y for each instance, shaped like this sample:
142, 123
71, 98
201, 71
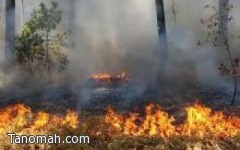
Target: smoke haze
115, 36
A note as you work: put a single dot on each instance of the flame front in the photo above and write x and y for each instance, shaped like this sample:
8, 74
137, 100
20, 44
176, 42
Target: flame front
101, 76
20, 118
109, 77
71, 119
200, 122
14, 115
155, 123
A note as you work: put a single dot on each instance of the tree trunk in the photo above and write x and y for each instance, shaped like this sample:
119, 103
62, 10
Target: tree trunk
234, 90
223, 37
72, 21
48, 59
162, 34
233, 70
9, 32
223, 19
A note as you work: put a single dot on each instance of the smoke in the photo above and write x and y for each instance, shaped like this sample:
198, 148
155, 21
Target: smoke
5, 56
190, 61
115, 36
121, 36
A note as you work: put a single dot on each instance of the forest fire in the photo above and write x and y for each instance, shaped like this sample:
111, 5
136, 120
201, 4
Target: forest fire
155, 123
20, 118
72, 69
201, 122
98, 77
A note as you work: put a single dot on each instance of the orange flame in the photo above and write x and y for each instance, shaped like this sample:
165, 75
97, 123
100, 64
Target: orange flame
101, 76
109, 77
71, 119
14, 115
19, 118
201, 121
41, 120
114, 119
156, 122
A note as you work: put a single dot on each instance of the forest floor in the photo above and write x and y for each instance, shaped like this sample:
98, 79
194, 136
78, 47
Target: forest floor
172, 99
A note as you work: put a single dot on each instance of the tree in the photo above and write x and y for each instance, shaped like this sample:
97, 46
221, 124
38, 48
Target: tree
223, 15
40, 43
223, 21
29, 45
217, 26
72, 20
174, 13
162, 33
10, 30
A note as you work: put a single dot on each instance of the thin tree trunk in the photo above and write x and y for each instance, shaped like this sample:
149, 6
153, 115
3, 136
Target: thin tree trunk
223, 37
72, 21
223, 17
22, 13
234, 91
162, 34
233, 71
30, 66
10, 32
174, 14
48, 59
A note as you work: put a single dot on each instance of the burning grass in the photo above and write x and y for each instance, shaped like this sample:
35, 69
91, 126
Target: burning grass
203, 128
21, 120
201, 122
107, 77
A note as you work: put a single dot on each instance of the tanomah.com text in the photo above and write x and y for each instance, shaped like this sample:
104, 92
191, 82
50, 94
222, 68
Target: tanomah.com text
49, 139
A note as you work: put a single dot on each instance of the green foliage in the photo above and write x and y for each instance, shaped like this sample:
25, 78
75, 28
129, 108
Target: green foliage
40, 43
29, 44
47, 19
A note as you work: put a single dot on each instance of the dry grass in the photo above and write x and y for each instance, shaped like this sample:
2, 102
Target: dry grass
101, 141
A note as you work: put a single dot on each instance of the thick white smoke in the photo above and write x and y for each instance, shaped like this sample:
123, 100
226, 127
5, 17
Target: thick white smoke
115, 36
188, 59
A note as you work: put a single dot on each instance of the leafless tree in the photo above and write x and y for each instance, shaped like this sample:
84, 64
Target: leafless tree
9, 31
162, 33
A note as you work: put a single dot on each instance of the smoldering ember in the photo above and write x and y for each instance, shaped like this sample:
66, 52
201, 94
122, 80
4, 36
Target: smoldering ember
120, 74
